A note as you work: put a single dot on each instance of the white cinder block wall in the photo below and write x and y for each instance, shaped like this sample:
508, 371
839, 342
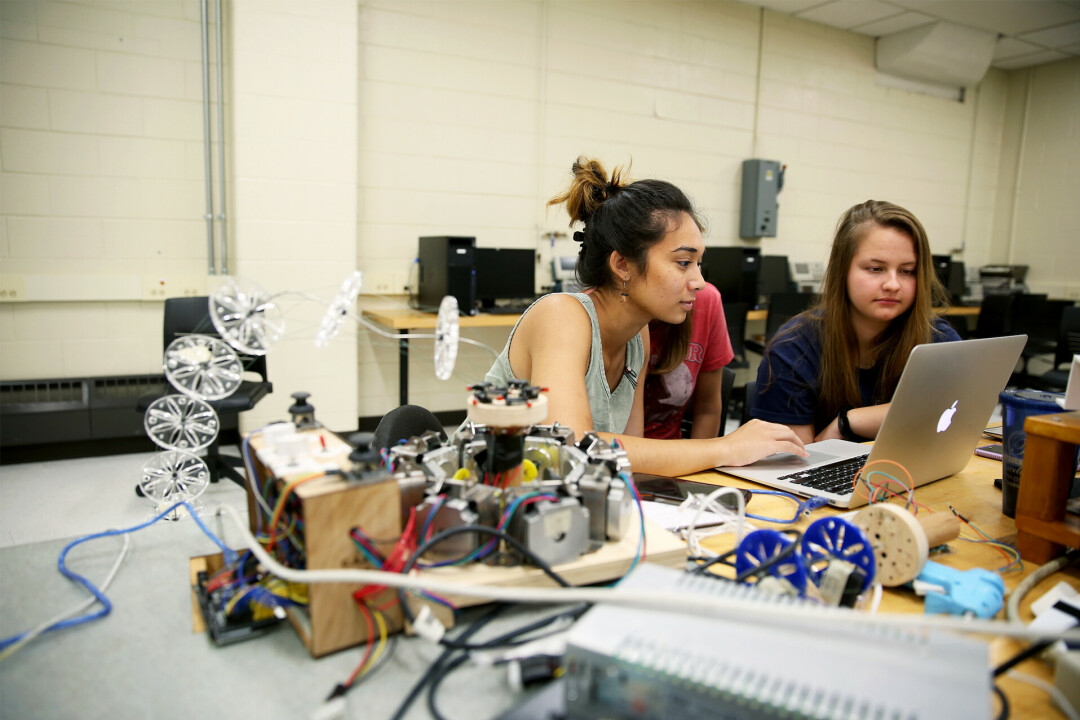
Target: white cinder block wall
102, 182
356, 127
294, 105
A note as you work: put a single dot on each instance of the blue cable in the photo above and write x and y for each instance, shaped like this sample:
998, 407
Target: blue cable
641, 515
61, 564
803, 507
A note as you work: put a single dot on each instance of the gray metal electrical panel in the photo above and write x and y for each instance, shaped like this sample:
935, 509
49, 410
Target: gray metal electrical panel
761, 182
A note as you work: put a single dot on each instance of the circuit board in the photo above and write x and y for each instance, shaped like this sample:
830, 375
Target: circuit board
225, 630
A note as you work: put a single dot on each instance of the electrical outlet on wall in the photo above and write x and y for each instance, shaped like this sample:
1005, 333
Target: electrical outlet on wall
12, 288
160, 287
382, 283
386, 282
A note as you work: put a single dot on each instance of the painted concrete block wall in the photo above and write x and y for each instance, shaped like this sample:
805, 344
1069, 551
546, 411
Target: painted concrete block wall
1044, 230
355, 127
102, 185
511, 93
293, 159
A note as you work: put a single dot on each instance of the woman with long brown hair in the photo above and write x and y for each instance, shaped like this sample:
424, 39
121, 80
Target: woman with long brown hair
830, 372
641, 247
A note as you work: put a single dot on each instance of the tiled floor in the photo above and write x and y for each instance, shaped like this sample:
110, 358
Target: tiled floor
70, 498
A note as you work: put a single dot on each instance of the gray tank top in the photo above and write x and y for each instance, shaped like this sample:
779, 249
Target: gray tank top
610, 410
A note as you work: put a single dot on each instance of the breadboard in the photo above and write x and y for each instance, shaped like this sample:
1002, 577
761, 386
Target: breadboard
652, 665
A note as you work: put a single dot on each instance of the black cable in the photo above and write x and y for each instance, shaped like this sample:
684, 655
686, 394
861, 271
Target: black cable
1003, 714
785, 552
703, 566
509, 639
500, 641
443, 657
1033, 649
437, 680
445, 534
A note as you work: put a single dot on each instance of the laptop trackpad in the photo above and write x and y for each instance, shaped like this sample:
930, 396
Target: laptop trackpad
788, 461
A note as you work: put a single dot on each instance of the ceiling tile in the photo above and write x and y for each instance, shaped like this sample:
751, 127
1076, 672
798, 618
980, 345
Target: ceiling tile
1038, 58
1008, 17
896, 23
849, 13
1054, 37
788, 7
1011, 47
1071, 49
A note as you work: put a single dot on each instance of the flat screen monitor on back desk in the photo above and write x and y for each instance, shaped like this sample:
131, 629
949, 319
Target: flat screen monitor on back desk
775, 277
505, 279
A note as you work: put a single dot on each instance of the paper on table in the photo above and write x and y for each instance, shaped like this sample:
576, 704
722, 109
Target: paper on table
675, 517
1072, 390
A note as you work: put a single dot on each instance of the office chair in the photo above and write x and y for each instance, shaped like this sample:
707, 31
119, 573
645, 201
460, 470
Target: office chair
1068, 344
782, 307
727, 384
750, 390
1040, 319
405, 422
191, 315
995, 315
735, 317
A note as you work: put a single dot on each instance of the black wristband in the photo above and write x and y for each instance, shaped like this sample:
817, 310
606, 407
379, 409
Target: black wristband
845, 427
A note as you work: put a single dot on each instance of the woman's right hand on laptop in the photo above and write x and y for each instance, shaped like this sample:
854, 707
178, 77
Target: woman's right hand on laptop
758, 439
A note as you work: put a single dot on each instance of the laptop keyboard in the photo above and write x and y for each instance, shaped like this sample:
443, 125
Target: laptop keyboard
834, 478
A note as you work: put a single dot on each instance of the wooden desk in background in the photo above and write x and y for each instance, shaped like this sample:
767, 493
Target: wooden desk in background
407, 320
972, 493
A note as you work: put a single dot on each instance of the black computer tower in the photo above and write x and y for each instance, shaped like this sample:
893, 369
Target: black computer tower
734, 271
448, 267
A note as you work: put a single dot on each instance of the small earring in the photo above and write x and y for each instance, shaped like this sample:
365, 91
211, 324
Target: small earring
624, 293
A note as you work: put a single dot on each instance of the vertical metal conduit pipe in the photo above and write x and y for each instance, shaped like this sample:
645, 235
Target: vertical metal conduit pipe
221, 148
209, 216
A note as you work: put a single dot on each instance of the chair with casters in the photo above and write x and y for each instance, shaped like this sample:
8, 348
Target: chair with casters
1068, 344
402, 423
191, 316
995, 315
735, 318
727, 385
1029, 312
750, 390
1042, 324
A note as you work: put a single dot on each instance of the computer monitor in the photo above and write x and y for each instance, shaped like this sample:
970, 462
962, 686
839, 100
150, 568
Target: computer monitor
564, 273
734, 271
505, 274
775, 277
807, 275
952, 276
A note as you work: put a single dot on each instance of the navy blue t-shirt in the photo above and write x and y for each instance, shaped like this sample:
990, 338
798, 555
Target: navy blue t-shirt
787, 383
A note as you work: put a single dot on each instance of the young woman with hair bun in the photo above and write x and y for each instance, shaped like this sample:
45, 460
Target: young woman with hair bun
640, 255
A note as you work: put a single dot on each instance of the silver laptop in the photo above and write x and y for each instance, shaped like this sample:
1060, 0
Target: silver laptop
944, 400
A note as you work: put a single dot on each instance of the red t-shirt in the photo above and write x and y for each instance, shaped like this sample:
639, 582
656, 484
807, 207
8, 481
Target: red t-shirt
710, 349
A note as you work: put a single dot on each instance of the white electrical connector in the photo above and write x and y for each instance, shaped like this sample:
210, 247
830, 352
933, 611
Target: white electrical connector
428, 626
330, 710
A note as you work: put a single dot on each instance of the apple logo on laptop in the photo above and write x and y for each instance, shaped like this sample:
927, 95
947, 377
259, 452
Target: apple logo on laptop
945, 420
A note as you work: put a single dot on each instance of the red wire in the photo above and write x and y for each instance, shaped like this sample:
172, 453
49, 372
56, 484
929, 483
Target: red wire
370, 642
224, 578
395, 561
